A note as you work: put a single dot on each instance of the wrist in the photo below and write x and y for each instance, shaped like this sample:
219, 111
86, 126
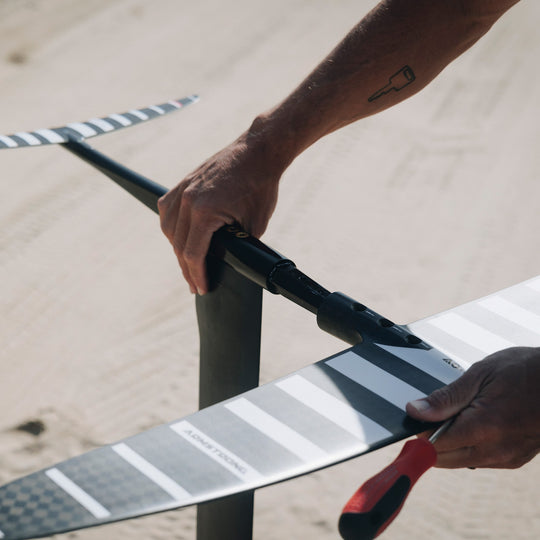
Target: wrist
275, 140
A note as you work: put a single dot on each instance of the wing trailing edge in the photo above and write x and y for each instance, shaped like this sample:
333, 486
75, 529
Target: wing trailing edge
93, 127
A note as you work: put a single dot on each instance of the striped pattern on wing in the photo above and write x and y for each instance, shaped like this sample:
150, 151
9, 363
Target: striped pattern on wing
470, 332
328, 412
93, 127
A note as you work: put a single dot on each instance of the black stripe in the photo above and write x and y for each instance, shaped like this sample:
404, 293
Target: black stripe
94, 127
41, 139
356, 396
18, 140
398, 368
133, 118
304, 420
150, 113
167, 107
59, 132
69, 134
113, 122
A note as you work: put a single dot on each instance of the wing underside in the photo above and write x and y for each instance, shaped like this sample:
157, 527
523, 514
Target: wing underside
93, 127
336, 409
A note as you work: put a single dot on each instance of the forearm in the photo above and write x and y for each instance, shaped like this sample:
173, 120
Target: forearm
394, 52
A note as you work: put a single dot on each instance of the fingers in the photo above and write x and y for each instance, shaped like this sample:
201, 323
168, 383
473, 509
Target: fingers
239, 184
496, 409
483, 456
447, 401
192, 256
190, 232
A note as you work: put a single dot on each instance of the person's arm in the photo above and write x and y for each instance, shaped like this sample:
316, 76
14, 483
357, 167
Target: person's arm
497, 408
396, 50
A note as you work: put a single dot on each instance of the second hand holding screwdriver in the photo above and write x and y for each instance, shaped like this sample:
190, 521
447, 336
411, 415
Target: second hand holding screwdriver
379, 500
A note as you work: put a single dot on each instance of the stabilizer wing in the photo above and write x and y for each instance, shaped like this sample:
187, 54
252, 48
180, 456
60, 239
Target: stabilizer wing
91, 128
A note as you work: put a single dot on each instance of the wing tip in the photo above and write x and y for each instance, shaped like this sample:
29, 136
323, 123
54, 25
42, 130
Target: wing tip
188, 100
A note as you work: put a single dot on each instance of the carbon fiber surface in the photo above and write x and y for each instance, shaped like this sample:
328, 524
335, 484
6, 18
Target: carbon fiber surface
336, 409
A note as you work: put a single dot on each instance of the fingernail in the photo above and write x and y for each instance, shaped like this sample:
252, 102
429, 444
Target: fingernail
192, 289
420, 405
200, 292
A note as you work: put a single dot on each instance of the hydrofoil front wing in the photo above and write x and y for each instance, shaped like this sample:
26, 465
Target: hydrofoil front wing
331, 411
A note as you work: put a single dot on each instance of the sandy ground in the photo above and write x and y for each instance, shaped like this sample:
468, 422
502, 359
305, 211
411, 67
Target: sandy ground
426, 206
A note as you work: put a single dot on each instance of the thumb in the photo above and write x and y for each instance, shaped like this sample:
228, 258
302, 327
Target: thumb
446, 401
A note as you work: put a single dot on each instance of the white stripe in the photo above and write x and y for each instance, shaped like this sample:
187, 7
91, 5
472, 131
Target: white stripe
28, 137
1, 534
124, 120
334, 410
50, 135
102, 124
83, 129
534, 284
138, 114
175, 104
470, 333
428, 361
157, 109
62, 481
8, 141
217, 452
167, 484
512, 312
276, 430
375, 379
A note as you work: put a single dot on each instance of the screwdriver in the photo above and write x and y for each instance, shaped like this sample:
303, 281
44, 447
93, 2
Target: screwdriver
379, 500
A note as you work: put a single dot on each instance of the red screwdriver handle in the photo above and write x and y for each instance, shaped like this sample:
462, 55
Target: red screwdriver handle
378, 501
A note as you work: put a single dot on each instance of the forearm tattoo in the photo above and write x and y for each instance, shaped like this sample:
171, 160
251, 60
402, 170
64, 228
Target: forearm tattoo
398, 81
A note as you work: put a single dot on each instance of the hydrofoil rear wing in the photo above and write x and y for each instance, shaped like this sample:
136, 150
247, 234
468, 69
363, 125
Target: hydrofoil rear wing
79, 131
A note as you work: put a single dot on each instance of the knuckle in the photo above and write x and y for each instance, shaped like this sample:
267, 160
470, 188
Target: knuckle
191, 257
167, 231
165, 227
443, 397
162, 204
178, 247
188, 196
